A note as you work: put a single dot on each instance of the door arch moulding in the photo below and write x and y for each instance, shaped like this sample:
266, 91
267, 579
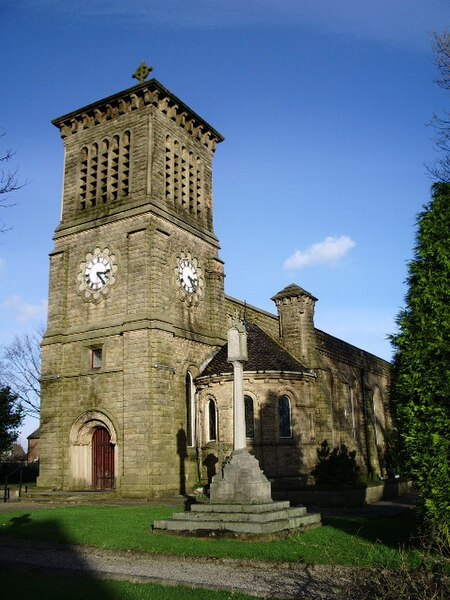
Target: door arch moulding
80, 447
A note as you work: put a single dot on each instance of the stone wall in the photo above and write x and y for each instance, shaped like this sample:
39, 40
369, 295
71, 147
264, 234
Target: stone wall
356, 401
278, 457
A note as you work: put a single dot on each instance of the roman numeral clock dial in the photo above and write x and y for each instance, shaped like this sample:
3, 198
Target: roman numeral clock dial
189, 278
96, 274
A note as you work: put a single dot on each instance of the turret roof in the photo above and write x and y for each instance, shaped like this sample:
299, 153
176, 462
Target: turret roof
292, 291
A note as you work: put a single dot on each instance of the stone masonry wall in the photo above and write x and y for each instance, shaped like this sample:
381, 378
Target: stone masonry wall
278, 457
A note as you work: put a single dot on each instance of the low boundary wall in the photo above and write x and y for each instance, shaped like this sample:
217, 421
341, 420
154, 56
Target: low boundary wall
343, 496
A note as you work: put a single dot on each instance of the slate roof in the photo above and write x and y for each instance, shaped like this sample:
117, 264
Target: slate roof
35, 435
264, 354
345, 351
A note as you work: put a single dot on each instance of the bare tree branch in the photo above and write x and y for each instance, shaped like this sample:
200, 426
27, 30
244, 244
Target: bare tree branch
8, 154
9, 182
440, 169
441, 46
8, 179
20, 368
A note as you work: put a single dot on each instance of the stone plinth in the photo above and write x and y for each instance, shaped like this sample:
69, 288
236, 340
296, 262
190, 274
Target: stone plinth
240, 481
240, 518
240, 502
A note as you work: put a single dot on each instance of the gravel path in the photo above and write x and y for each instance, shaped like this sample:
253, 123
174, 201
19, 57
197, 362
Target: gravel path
266, 580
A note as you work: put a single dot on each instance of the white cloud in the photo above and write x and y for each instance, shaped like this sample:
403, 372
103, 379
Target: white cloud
24, 312
328, 252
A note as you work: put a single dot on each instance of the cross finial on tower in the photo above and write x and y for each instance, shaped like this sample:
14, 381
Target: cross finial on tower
142, 72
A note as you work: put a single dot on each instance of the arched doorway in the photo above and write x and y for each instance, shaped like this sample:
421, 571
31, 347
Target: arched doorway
102, 460
93, 452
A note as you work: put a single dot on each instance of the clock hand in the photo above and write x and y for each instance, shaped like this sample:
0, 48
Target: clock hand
193, 281
100, 275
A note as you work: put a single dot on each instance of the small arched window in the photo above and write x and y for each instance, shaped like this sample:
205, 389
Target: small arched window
249, 417
284, 417
190, 410
212, 421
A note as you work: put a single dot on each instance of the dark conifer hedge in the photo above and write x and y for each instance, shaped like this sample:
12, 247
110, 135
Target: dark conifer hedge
421, 376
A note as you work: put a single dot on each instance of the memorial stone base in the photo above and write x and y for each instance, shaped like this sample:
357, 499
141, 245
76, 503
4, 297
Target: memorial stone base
240, 502
240, 481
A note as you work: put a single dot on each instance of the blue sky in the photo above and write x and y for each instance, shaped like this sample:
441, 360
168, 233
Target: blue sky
324, 107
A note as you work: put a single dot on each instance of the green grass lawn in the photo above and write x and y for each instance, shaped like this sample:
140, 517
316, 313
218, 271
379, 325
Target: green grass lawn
340, 541
33, 584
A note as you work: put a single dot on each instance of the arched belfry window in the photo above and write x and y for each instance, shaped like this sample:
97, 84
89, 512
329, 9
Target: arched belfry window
183, 177
249, 417
190, 410
212, 421
284, 417
104, 171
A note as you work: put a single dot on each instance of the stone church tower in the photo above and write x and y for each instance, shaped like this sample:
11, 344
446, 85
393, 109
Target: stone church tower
135, 293
136, 387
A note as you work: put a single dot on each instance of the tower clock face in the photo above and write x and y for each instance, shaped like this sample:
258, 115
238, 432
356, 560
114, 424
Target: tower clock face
189, 278
188, 275
96, 274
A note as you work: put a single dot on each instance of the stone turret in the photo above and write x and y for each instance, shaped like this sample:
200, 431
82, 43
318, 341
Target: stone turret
295, 308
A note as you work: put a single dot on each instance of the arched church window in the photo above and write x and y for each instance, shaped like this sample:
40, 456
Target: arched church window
190, 410
284, 417
212, 421
249, 417
379, 418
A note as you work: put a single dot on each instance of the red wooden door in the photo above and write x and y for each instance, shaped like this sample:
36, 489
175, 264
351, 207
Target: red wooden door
102, 460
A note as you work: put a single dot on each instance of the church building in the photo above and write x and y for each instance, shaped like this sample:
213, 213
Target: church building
136, 387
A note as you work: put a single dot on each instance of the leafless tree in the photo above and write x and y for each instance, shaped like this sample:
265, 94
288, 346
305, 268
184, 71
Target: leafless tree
14, 454
20, 368
440, 169
9, 181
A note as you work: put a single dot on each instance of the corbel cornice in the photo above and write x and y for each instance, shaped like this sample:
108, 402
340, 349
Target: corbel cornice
149, 93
